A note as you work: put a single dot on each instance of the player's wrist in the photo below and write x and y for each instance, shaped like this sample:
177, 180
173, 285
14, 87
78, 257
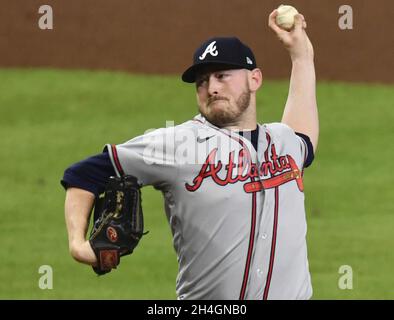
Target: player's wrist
82, 252
304, 54
302, 60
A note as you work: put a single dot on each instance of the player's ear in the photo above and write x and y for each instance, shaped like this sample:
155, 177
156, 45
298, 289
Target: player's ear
255, 79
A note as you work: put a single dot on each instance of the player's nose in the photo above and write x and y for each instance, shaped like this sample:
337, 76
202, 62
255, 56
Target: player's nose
213, 85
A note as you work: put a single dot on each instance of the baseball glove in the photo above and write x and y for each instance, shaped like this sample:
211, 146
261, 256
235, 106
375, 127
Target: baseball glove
118, 223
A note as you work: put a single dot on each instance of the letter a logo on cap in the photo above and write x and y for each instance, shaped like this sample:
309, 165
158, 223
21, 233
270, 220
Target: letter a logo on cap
211, 49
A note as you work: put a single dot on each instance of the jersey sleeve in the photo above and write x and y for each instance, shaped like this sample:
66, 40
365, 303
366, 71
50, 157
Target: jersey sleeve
295, 143
149, 157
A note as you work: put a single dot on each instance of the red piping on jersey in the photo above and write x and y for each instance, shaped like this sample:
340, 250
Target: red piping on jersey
252, 230
253, 226
253, 222
273, 245
116, 160
268, 137
250, 249
251, 238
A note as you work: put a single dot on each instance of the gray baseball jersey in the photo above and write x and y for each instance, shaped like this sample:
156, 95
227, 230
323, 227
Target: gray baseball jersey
237, 216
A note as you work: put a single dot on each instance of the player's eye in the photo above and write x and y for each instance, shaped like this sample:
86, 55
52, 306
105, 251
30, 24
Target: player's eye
201, 81
221, 75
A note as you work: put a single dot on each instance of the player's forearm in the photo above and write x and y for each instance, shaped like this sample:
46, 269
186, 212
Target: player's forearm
78, 206
301, 107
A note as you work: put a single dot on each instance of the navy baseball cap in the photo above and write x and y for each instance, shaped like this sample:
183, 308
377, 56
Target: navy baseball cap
228, 51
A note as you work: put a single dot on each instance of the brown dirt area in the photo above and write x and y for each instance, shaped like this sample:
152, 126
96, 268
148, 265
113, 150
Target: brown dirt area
160, 36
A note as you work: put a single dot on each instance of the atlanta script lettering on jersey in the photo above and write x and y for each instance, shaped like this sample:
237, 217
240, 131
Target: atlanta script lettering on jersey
246, 169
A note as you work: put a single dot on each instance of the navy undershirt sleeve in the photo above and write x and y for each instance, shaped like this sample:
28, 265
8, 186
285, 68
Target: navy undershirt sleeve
308, 143
91, 174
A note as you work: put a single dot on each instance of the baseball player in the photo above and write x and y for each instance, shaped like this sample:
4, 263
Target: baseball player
233, 188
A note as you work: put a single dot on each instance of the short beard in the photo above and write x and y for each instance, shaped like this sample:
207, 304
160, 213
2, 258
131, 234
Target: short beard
225, 118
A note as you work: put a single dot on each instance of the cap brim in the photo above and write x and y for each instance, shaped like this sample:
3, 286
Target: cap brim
190, 74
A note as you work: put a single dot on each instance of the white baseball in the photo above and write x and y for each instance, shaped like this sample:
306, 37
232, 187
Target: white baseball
285, 17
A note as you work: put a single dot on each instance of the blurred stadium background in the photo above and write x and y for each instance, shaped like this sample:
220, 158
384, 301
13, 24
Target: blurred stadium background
109, 71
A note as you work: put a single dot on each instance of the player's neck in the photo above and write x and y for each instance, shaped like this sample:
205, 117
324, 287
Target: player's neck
246, 122
242, 127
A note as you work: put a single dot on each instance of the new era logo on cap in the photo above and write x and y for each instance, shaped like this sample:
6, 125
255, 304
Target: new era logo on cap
226, 51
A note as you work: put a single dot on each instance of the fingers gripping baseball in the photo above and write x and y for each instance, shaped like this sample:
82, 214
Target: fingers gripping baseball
299, 22
295, 40
286, 21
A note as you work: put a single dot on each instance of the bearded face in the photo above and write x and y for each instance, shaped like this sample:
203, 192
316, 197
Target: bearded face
223, 96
